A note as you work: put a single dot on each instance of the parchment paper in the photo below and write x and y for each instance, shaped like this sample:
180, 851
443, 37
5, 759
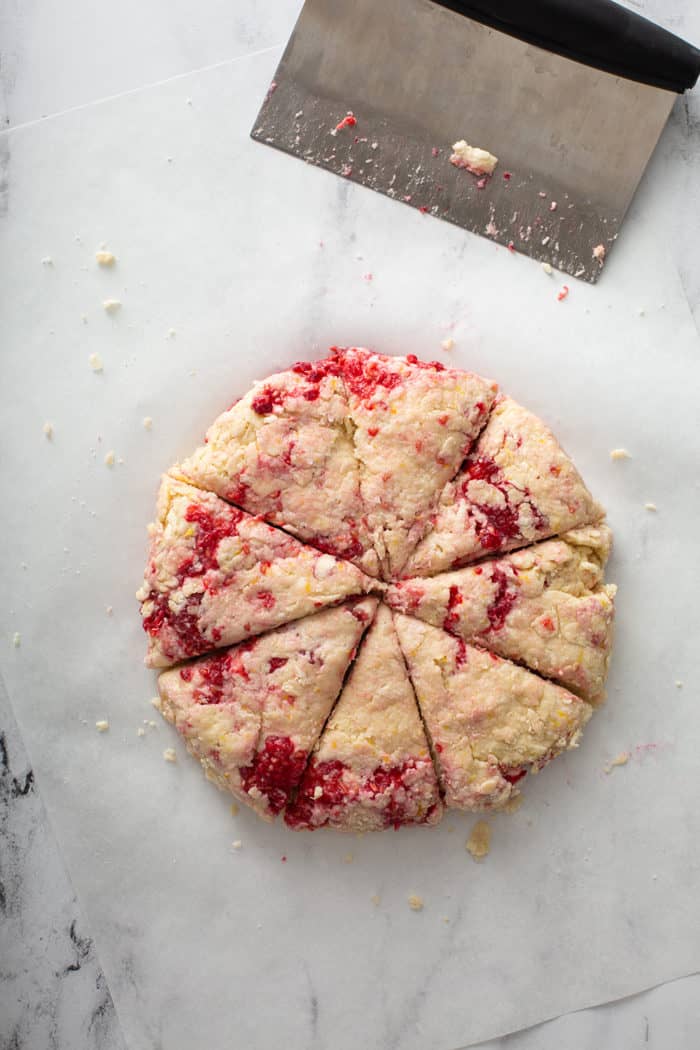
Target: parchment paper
254, 260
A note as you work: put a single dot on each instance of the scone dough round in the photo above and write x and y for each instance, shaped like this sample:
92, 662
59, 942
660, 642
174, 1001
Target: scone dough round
377, 591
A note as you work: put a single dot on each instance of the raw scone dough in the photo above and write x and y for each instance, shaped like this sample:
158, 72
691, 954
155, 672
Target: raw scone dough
413, 424
517, 486
545, 606
217, 575
252, 714
285, 452
372, 767
490, 721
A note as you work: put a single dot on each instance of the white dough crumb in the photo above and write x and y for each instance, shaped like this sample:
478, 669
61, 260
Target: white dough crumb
169, 755
599, 253
102, 726
237, 844
111, 305
140, 731
155, 702
479, 842
477, 161
620, 453
109, 459
153, 725
105, 258
318, 791
348, 858
147, 422
95, 362
620, 760
650, 506
678, 684
47, 261
553, 206
376, 899
447, 344
109, 610
16, 639
234, 809
547, 269
48, 430
415, 903
171, 333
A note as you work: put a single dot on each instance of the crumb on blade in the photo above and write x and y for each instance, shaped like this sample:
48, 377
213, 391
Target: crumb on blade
415, 903
16, 639
472, 158
513, 804
147, 422
348, 858
155, 702
95, 362
650, 506
48, 430
479, 842
111, 305
170, 755
102, 726
171, 333
447, 344
105, 258
237, 844
109, 610
547, 268
140, 731
599, 253
553, 206
109, 459
678, 684
234, 809
619, 453
47, 261
376, 899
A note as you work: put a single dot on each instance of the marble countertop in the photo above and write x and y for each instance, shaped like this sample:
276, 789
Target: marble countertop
52, 990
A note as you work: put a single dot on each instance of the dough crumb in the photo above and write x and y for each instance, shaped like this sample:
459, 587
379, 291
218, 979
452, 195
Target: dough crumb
472, 158
479, 841
446, 920
678, 684
147, 422
105, 258
513, 804
95, 362
234, 809
171, 333
620, 760
153, 725
47, 261
447, 344
16, 639
140, 731
109, 610
376, 899
415, 903
237, 844
169, 755
102, 726
348, 858
650, 506
553, 206
547, 269
48, 430
109, 459
619, 453
599, 253
155, 702
111, 305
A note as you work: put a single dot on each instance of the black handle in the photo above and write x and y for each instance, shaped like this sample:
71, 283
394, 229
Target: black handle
599, 33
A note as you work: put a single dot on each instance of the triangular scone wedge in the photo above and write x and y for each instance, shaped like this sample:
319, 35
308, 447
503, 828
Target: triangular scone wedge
490, 721
413, 425
371, 768
216, 575
252, 714
517, 486
545, 606
285, 452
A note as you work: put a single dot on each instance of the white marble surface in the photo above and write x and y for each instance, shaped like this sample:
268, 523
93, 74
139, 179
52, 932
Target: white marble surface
81, 85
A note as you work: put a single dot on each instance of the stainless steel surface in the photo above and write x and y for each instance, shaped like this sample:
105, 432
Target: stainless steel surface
417, 77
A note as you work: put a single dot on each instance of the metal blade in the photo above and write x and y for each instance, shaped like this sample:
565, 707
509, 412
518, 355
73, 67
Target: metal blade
572, 141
